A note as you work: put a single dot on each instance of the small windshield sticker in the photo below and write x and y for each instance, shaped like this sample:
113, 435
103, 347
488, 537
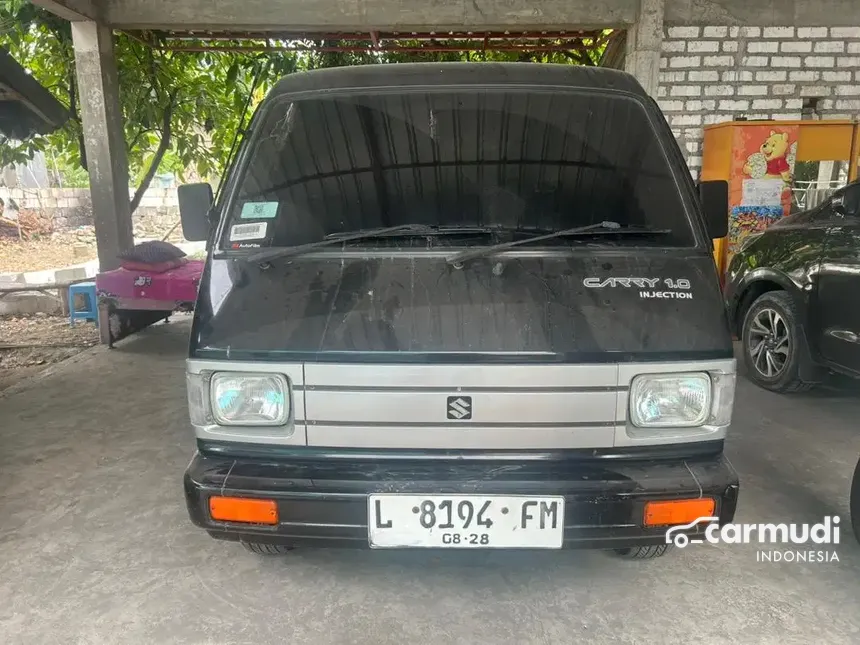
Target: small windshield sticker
242, 232
259, 210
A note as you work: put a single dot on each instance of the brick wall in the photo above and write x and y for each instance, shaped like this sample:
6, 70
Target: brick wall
69, 208
717, 73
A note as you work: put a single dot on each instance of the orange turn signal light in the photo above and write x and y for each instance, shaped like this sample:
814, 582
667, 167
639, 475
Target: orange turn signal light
242, 509
678, 511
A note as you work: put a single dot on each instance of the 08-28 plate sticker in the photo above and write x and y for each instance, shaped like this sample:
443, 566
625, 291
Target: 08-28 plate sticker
244, 232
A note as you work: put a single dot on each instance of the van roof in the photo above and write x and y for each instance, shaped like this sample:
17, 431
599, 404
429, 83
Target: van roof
417, 74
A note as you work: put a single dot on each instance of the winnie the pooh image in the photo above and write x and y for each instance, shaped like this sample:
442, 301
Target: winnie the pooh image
774, 159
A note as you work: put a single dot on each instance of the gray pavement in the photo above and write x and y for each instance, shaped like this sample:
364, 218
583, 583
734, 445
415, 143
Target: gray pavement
95, 546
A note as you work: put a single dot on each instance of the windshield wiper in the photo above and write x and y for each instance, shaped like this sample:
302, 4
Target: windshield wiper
592, 229
404, 230
417, 230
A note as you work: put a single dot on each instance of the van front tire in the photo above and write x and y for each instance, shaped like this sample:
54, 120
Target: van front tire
642, 552
259, 548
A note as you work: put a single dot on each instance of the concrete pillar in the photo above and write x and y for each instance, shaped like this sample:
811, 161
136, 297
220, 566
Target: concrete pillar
644, 41
104, 139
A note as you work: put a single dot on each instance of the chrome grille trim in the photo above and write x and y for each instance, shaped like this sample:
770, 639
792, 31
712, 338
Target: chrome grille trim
454, 376
459, 390
461, 424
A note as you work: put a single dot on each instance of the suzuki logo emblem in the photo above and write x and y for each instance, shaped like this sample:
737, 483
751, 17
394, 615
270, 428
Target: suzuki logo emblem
459, 407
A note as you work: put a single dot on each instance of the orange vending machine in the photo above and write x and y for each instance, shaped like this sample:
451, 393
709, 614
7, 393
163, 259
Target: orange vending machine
757, 159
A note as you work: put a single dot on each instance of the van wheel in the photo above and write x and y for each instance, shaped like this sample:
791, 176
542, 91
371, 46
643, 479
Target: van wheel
771, 343
854, 504
642, 552
267, 549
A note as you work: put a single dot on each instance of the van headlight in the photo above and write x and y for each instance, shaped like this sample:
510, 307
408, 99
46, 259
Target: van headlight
670, 400
238, 399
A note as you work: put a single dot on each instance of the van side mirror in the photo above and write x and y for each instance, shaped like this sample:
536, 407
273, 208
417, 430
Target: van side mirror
846, 202
195, 202
714, 196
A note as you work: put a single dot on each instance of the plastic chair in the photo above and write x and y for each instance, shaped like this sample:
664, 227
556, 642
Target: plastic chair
91, 312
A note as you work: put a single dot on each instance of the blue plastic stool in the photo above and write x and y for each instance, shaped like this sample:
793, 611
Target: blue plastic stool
88, 290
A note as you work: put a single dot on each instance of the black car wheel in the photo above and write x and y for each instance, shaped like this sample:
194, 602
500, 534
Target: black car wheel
771, 340
854, 504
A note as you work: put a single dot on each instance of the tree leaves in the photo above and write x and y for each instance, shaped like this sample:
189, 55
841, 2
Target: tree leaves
232, 73
205, 93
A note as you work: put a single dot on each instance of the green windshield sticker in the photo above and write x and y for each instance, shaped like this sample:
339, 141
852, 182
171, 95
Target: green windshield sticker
259, 210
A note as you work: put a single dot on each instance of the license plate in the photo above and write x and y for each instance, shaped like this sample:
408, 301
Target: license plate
465, 522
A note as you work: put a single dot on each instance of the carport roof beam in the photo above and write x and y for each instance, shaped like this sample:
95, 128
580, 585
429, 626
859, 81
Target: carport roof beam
451, 41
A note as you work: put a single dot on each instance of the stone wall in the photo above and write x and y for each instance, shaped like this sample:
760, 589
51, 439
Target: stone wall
70, 208
718, 73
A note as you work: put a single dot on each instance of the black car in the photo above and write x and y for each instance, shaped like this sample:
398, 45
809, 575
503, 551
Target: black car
793, 296
854, 501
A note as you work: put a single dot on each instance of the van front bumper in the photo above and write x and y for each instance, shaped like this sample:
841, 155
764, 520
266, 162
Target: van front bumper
321, 496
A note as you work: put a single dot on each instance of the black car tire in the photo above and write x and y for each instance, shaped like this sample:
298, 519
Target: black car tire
642, 552
260, 548
788, 378
854, 503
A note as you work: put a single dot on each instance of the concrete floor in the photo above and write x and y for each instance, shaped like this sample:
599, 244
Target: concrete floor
95, 546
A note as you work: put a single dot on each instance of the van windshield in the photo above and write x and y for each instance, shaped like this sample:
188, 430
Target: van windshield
517, 159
